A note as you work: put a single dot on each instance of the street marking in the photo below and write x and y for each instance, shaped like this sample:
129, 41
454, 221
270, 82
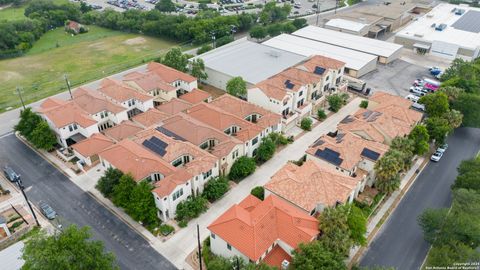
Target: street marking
6, 134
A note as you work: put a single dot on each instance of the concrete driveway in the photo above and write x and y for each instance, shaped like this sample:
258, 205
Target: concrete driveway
44, 182
400, 242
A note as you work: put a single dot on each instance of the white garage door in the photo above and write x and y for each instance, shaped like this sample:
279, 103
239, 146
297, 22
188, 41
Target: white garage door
444, 49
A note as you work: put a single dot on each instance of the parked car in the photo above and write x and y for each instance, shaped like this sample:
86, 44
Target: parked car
417, 91
436, 156
47, 210
418, 82
10, 174
442, 148
412, 98
418, 106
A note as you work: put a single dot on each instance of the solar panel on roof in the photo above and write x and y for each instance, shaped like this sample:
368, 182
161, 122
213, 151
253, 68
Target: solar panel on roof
158, 142
329, 155
171, 134
370, 154
154, 148
319, 70
469, 22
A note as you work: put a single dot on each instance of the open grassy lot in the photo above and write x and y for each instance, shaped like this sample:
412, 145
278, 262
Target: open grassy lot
17, 13
85, 57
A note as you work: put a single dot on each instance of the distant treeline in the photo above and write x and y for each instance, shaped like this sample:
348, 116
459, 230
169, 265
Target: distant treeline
18, 36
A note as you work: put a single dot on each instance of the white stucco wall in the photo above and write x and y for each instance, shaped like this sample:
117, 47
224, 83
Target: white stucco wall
218, 246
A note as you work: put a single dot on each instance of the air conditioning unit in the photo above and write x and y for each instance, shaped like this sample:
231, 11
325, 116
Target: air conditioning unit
420, 35
285, 264
429, 15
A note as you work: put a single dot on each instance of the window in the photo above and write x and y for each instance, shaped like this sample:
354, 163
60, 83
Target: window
204, 145
177, 194
213, 235
177, 162
70, 128
328, 77
254, 141
75, 126
207, 174
229, 247
235, 154
300, 93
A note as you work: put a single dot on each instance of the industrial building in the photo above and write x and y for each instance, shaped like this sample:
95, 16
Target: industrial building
448, 31
356, 63
252, 61
385, 51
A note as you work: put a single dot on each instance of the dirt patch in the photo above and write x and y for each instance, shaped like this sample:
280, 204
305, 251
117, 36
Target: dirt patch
135, 41
98, 46
9, 75
5, 6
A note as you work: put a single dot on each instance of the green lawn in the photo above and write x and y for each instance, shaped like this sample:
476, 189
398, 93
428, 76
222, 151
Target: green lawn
85, 58
12, 13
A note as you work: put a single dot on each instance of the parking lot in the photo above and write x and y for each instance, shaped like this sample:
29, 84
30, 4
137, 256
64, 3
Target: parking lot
396, 77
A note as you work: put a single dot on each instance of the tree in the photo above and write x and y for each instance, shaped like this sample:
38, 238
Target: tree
450, 254
265, 150
299, 23
204, 49
388, 185
316, 256
335, 102
272, 13
468, 175
122, 192
357, 223
28, 122
198, 69
165, 6
468, 105
215, 188
258, 192
364, 104
108, 181
241, 168
141, 206
258, 32
73, 248
43, 137
438, 128
236, 86
405, 147
224, 40
452, 92
335, 230
321, 114
191, 208
420, 138
436, 104
176, 59
387, 171
454, 118
278, 138
431, 221
306, 124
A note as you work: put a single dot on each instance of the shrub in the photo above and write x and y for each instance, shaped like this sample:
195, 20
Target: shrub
278, 138
190, 208
258, 192
243, 167
16, 225
335, 102
224, 40
306, 124
364, 104
265, 151
321, 114
166, 229
204, 49
182, 223
215, 188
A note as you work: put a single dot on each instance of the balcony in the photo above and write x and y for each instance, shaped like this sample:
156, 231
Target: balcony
287, 119
304, 110
317, 99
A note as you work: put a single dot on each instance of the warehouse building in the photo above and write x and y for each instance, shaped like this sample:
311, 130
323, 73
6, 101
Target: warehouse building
385, 51
252, 61
356, 63
449, 31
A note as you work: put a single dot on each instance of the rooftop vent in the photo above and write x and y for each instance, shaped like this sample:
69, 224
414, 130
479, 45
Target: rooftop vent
285, 264
289, 84
441, 27
459, 11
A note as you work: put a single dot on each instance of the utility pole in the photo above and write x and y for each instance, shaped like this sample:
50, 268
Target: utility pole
199, 247
20, 185
318, 11
336, 5
68, 85
21, 98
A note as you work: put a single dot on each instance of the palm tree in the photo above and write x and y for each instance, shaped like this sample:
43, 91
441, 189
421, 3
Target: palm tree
388, 185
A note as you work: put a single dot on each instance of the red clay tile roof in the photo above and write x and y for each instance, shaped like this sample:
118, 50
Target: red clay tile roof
168, 184
65, 113
123, 130
311, 184
93, 145
276, 256
120, 91
129, 157
150, 117
93, 102
169, 74
320, 61
174, 106
382, 99
253, 225
148, 82
195, 96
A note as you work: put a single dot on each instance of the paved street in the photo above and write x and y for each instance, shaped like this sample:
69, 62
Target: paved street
400, 242
45, 183
184, 242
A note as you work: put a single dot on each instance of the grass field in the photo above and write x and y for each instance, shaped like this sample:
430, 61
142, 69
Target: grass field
86, 57
17, 13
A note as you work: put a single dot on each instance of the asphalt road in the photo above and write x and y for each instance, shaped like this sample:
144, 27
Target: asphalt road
44, 182
400, 243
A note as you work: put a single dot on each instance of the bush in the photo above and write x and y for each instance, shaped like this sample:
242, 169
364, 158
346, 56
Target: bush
306, 124
243, 167
16, 225
108, 181
335, 102
258, 192
364, 104
215, 188
204, 49
278, 138
224, 40
166, 229
321, 114
190, 209
265, 151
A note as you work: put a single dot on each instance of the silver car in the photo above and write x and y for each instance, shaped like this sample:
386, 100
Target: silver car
47, 211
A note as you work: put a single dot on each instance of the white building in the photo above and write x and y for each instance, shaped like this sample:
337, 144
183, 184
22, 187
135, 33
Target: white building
347, 26
447, 31
357, 63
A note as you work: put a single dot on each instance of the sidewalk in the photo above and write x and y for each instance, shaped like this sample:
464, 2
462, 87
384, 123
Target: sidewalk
386, 208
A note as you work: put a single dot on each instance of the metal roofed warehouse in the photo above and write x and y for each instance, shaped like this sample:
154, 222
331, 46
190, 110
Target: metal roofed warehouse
385, 51
252, 61
448, 31
356, 63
